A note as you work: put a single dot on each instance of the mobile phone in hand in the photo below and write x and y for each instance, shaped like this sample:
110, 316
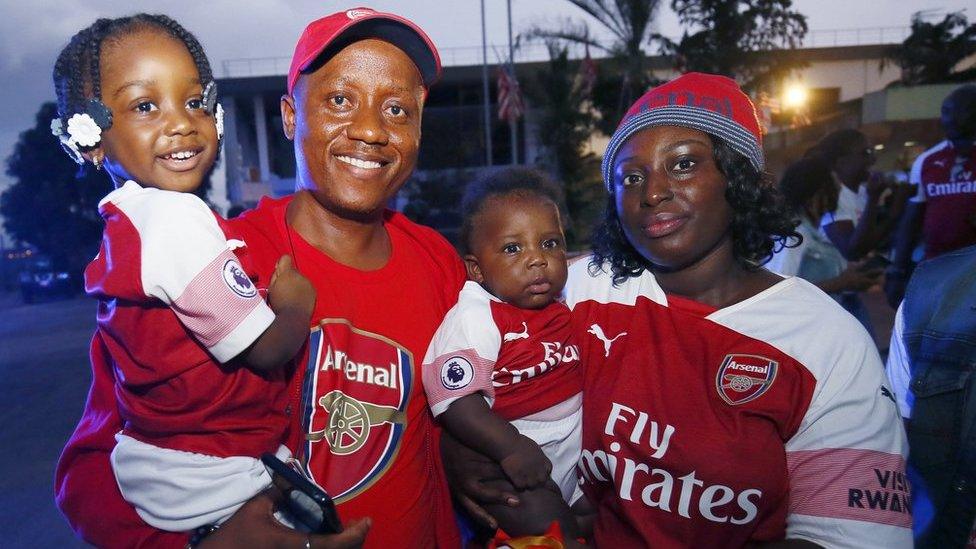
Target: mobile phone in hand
307, 503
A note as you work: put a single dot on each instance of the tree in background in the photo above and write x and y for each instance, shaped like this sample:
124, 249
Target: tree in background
561, 93
932, 50
748, 40
626, 76
47, 206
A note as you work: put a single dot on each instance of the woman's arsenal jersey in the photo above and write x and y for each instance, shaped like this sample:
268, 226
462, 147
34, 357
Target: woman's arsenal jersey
712, 428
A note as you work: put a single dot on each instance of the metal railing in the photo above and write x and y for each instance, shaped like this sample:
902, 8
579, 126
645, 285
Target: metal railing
534, 51
830, 38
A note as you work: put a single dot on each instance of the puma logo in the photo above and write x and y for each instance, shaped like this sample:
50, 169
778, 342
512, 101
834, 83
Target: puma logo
598, 332
512, 336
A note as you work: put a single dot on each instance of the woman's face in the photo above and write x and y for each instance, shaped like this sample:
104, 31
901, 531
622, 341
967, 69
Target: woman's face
670, 197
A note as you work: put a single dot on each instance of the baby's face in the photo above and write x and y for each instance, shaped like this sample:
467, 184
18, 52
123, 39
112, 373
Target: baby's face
519, 251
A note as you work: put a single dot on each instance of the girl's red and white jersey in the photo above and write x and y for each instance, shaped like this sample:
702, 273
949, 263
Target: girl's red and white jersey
523, 361
712, 428
175, 303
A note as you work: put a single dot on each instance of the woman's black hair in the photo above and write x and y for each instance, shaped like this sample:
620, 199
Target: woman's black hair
515, 181
77, 72
760, 220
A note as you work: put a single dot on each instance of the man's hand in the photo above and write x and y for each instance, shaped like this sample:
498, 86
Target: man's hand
526, 465
254, 526
475, 480
289, 289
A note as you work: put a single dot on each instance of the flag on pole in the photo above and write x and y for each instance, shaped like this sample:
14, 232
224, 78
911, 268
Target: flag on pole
510, 104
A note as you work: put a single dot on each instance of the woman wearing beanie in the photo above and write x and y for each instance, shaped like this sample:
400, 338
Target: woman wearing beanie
724, 405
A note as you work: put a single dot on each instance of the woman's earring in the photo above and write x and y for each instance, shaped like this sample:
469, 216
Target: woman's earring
97, 161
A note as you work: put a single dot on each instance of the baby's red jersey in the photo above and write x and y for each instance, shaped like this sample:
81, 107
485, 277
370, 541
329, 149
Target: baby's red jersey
173, 304
947, 184
713, 428
523, 361
361, 417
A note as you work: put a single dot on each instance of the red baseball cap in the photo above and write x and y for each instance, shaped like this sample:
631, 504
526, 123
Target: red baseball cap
361, 23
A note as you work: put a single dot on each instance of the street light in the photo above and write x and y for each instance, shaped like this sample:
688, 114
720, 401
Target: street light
795, 96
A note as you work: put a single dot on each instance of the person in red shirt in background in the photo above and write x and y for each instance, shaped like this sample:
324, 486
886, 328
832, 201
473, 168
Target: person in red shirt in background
359, 418
943, 210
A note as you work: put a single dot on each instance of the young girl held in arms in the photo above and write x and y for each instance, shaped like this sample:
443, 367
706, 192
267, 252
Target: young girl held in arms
196, 351
502, 373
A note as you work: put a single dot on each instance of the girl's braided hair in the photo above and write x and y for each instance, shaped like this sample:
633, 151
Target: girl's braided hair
77, 76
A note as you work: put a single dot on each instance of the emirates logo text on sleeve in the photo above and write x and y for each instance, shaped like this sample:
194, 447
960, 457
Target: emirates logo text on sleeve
554, 354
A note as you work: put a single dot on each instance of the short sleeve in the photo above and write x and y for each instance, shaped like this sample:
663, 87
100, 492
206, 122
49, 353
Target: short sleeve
462, 354
846, 462
185, 262
898, 368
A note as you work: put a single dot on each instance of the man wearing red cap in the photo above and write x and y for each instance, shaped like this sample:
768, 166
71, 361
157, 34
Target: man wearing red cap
356, 89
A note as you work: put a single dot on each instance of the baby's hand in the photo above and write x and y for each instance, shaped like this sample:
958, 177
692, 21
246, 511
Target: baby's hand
289, 289
526, 466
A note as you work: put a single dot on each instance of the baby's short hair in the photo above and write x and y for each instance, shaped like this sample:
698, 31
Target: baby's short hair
513, 181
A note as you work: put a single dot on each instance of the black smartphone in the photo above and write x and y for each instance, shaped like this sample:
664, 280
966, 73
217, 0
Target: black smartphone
307, 503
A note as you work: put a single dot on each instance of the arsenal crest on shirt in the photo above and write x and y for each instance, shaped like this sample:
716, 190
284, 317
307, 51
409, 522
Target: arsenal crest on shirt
354, 399
743, 378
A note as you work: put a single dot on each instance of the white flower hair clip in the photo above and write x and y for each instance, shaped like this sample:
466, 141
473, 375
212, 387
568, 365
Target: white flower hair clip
219, 121
70, 148
83, 131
